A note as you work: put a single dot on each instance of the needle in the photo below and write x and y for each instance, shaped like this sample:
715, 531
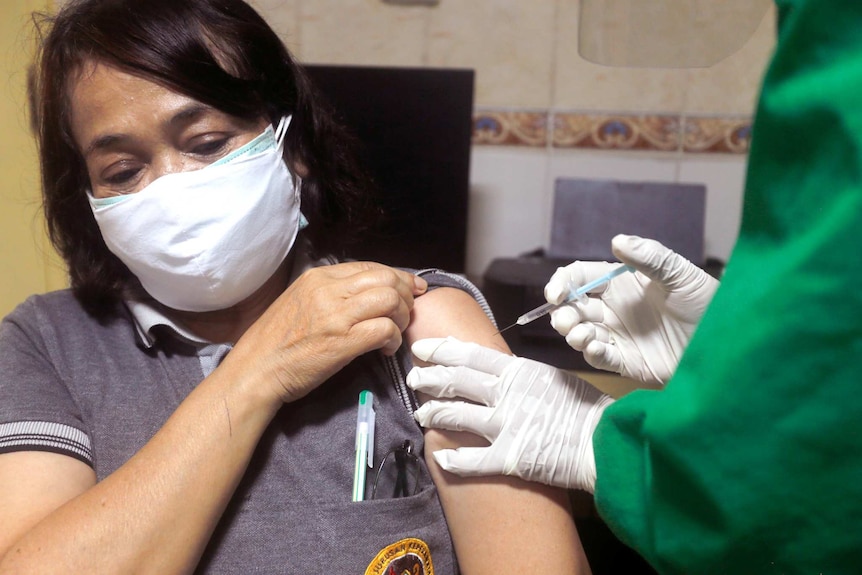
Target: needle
505, 328
578, 294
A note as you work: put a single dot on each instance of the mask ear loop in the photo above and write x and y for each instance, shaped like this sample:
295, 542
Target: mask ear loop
281, 130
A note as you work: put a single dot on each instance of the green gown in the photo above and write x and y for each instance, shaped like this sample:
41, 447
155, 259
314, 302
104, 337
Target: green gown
750, 460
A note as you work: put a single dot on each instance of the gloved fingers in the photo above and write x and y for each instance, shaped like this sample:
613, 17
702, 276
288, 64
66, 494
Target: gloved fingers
654, 260
452, 352
567, 317
467, 461
573, 276
458, 416
583, 334
605, 356
448, 382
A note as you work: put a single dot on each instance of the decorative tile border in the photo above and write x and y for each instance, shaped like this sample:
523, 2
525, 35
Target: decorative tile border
511, 128
705, 135
601, 131
615, 132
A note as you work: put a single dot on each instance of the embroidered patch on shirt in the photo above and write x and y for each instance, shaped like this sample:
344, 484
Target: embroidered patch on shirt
406, 557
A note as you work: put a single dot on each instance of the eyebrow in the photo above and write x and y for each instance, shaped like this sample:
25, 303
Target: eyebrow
189, 113
186, 115
103, 142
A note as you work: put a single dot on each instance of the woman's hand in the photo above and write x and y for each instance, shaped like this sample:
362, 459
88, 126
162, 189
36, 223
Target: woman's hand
326, 318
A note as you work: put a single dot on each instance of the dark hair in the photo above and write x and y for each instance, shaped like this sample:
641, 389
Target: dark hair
219, 52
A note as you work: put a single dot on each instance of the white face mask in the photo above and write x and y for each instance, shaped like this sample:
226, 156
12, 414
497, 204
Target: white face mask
207, 239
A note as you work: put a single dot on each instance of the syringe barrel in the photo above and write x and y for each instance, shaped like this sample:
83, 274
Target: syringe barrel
547, 308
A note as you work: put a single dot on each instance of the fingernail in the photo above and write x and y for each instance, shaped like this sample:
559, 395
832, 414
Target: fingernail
420, 284
441, 456
419, 415
553, 294
412, 378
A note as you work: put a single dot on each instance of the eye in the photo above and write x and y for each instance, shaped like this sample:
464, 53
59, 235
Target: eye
210, 147
121, 174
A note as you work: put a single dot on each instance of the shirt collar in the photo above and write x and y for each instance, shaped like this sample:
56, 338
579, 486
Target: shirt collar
151, 322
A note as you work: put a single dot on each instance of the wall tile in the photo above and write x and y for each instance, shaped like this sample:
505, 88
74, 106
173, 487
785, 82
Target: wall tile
362, 32
731, 86
509, 202
622, 166
582, 85
283, 17
724, 177
507, 42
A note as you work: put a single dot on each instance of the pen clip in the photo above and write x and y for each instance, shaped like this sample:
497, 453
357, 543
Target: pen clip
371, 421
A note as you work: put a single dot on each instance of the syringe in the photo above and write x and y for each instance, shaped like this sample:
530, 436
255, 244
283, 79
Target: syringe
577, 294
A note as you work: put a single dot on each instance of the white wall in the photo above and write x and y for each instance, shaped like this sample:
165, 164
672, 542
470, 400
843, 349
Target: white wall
528, 68
511, 196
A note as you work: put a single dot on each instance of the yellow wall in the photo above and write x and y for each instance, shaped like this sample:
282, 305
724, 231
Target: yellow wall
28, 264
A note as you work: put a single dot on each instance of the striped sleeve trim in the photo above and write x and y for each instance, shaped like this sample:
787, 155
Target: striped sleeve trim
46, 436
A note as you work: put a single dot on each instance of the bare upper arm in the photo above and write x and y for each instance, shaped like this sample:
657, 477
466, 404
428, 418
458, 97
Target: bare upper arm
452, 312
33, 484
498, 524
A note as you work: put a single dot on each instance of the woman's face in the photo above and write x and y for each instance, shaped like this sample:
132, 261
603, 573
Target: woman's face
132, 131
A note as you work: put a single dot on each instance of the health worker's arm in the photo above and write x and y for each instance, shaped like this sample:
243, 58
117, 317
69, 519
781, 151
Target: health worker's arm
748, 461
498, 524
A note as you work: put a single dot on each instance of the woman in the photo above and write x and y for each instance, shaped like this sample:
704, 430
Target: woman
190, 405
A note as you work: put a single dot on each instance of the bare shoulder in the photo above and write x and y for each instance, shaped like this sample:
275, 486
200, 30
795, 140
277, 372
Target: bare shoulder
452, 312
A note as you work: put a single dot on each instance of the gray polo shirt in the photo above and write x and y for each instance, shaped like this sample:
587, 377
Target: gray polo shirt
98, 391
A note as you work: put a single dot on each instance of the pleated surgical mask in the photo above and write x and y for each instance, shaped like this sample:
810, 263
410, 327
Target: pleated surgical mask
207, 239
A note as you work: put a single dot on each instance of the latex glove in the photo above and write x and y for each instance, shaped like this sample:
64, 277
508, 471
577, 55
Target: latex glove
638, 324
539, 419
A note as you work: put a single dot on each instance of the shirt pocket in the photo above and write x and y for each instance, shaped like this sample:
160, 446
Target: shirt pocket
381, 532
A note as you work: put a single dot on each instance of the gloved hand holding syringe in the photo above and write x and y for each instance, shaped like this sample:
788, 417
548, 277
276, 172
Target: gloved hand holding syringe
577, 294
638, 327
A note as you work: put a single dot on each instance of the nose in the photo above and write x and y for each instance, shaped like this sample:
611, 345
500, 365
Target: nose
171, 161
